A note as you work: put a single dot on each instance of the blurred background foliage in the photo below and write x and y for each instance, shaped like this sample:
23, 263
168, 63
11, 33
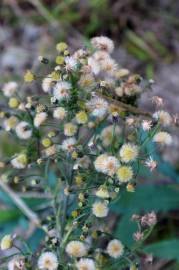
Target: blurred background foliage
147, 41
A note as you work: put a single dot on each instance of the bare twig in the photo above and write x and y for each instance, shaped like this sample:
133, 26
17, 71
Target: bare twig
20, 203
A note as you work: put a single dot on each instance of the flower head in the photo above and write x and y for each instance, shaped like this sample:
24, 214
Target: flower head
107, 134
47, 84
71, 63
48, 261
100, 162
106, 164
85, 264
115, 248
150, 163
163, 138
111, 165
20, 161
70, 129
109, 65
29, 76
59, 113
17, 263
9, 89
146, 125
76, 249
102, 192
68, 144
93, 65
81, 117
6, 242
61, 90
100, 209
149, 219
103, 43
10, 123
40, 119
23, 130
124, 173
87, 81
98, 106
163, 117
128, 152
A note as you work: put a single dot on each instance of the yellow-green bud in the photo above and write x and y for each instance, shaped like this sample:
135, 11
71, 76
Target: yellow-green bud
13, 103
29, 76
59, 60
55, 76
6, 242
46, 142
61, 47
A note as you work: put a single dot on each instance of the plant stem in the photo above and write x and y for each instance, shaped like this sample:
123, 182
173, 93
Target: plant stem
20, 203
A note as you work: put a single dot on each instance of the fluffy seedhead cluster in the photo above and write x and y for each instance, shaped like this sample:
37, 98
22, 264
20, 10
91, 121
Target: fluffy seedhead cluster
81, 142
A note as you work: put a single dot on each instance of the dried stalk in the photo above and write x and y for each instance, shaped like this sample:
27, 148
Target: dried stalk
20, 203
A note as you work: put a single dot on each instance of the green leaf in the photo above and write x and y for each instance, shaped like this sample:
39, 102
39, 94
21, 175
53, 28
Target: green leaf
167, 249
146, 198
35, 239
7, 215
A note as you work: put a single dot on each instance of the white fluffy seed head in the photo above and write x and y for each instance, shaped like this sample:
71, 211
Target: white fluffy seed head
47, 84
68, 144
48, 261
62, 90
103, 43
163, 137
9, 89
17, 263
10, 123
94, 65
59, 113
23, 130
163, 117
128, 152
115, 248
76, 249
107, 134
109, 65
97, 106
85, 264
100, 162
70, 129
71, 63
40, 119
100, 209
111, 165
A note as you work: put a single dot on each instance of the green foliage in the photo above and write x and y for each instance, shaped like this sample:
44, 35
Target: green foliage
160, 198
167, 249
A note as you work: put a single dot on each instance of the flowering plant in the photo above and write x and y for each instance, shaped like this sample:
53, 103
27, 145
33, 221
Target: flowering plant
80, 147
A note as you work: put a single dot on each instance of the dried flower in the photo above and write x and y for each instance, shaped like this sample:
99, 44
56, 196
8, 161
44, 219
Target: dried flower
149, 219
